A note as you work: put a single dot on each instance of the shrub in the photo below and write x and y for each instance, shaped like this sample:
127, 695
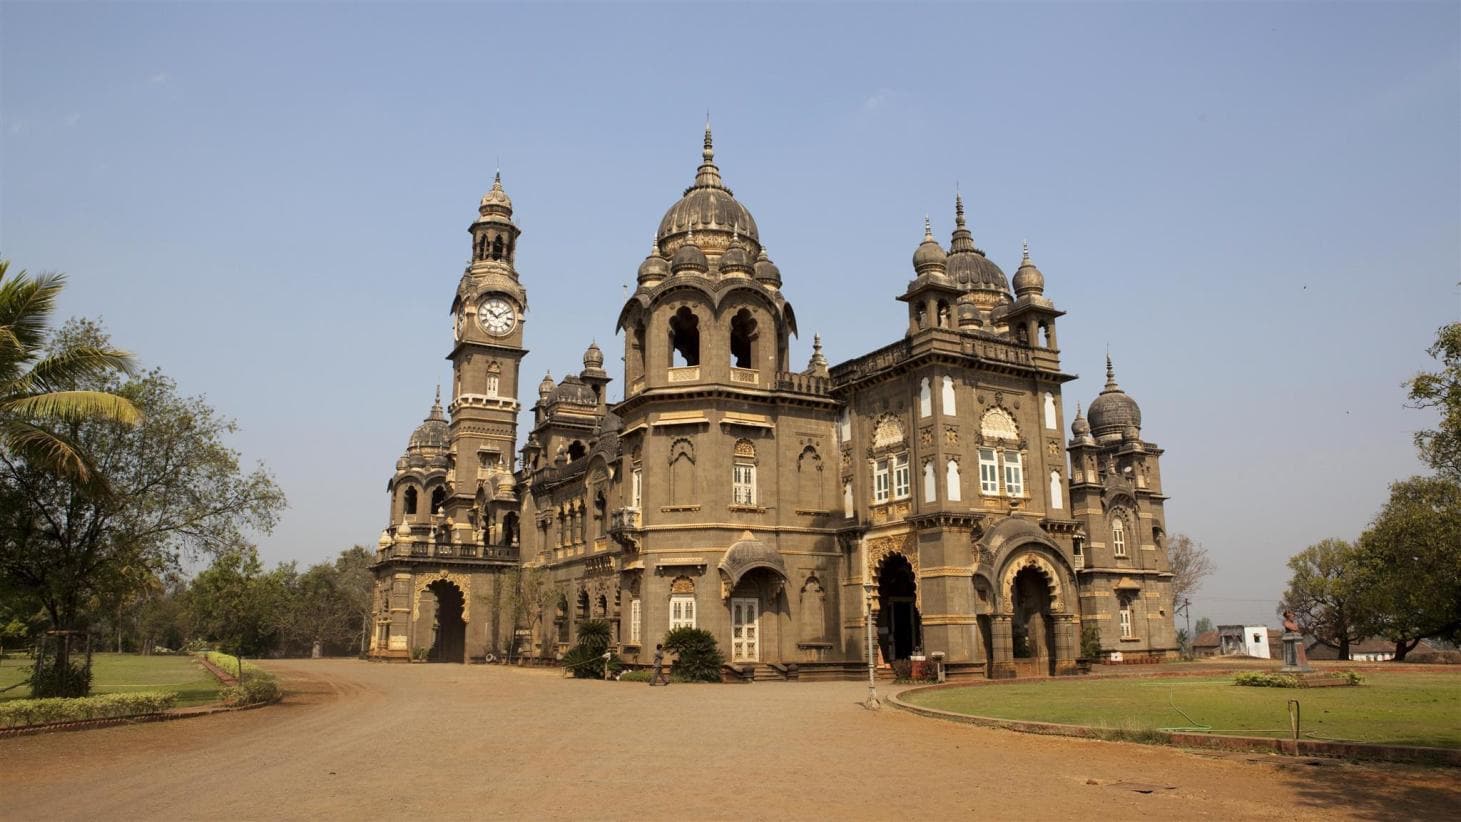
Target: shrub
1263, 679
19, 712
698, 657
902, 670
254, 690
635, 676
1350, 676
1090, 642
586, 659
49, 678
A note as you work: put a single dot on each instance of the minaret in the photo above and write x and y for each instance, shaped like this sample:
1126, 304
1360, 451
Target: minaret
486, 356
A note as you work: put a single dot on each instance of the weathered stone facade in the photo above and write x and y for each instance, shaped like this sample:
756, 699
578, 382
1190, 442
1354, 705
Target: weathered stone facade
931, 477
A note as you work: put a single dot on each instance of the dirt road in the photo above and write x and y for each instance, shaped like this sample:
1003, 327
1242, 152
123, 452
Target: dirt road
356, 740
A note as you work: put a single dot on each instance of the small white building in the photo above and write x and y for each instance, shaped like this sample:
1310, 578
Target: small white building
1244, 640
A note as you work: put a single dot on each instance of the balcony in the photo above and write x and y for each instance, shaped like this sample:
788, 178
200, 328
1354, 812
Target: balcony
803, 383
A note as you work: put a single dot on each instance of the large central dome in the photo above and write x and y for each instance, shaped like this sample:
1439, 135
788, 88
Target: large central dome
710, 212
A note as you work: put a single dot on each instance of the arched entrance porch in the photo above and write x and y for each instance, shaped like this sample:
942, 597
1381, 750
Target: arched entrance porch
448, 628
1032, 626
1032, 632
900, 629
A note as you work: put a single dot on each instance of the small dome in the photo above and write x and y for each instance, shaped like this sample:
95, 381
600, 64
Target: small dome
1028, 279
385, 538
593, 358
1113, 411
497, 196
766, 271
572, 390
689, 258
929, 257
1080, 427
433, 432
707, 207
967, 266
736, 261
654, 268
546, 386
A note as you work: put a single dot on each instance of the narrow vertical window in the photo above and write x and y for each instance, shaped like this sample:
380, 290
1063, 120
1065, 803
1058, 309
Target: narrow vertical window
930, 489
925, 398
902, 481
634, 630
1118, 537
952, 480
1055, 494
1014, 474
880, 481
636, 489
743, 484
1125, 618
948, 397
847, 499
682, 611
988, 473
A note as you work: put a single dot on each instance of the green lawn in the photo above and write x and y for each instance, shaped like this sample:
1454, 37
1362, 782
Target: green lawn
1392, 707
129, 673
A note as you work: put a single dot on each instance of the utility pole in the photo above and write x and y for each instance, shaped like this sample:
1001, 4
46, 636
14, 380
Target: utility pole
1186, 609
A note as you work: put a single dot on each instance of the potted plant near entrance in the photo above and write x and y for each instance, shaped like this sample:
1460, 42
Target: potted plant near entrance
420, 654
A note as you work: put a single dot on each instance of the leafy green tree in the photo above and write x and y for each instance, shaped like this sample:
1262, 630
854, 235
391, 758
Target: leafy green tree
1410, 561
1441, 447
173, 487
45, 382
239, 606
1326, 594
330, 605
1204, 624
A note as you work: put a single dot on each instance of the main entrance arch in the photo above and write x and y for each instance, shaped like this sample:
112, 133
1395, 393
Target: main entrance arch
900, 628
449, 629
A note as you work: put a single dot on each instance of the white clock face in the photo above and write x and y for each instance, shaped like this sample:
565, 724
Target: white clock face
497, 316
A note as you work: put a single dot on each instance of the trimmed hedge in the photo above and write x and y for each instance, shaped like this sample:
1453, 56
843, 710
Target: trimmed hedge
258, 684
16, 713
1260, 679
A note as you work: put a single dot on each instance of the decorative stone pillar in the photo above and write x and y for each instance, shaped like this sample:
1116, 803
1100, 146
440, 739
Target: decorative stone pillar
1067, 646
1002, 666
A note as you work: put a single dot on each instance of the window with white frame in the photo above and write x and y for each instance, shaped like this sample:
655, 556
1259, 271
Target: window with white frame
988, 472
636, 490
1125, 618
902, 479
1014, 474
743, 483
682, 611
491, 385
880, 481
1118, 536
634, 613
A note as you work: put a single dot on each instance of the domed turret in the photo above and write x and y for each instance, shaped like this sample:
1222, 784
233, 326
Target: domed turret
709, 210
1080, 430
969, 268
496, 201
689, 260
736, 263
546, 386
654, 268
1113, 411
766, 271
1028, 279
593, 358
433, 432
929, 258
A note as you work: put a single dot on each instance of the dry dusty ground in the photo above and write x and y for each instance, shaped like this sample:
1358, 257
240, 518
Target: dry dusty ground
356, 740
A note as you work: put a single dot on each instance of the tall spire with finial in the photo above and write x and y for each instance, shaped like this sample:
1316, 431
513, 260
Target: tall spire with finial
963, 239
1110, 376
818, 364
708, 175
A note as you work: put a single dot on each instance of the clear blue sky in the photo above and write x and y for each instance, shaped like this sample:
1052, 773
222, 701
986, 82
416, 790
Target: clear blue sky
1256, 206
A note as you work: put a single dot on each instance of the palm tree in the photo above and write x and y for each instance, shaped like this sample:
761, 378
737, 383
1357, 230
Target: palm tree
36, 384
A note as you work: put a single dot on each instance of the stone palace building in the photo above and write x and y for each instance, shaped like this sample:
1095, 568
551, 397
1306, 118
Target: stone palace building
931, 479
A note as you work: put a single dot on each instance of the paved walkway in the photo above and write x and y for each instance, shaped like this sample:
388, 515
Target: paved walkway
356, 740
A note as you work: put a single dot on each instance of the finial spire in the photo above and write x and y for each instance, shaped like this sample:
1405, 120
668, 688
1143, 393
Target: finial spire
927, 228
958, 209
1025, 250
437, 401
1110, 375
708, 176
818, 364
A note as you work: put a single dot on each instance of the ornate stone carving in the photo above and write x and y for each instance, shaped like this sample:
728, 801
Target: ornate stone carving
1041, 564
682, 585
951, 435
925, 437
462, 582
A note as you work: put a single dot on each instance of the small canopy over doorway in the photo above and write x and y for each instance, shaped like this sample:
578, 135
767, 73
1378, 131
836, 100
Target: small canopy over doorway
753, 578
449, 630
900, 628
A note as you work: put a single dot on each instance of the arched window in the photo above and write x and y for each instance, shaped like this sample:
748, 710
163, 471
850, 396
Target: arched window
494, 371
809, 479
947, 399
682, 472
410, 501
438, 499
497, 248
925, 398
742, 340
1055, 494
952, 480
943, 314
576, 450
1118, 536
1050, 412
813, 611
509, 529
601, 514
743, 474
638, 350
685, 338
1125, 614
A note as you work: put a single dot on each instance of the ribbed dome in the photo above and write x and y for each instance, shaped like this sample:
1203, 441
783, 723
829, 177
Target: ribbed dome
929, 257
689, 258
496, 198
967, 266
766, 271
709, 209
1080, 427
1028, 279
1113, 411
546, 386
654, 268
593, 358
736, 261
433, 432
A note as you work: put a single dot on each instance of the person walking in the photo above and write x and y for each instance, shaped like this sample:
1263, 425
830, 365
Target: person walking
659, 672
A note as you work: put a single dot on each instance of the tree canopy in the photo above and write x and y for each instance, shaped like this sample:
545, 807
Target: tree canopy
1441, 447
1409, 563
1325, 594
1190, 564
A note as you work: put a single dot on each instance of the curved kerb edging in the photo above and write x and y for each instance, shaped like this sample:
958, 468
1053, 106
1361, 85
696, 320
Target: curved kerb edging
1303, 747
134, 719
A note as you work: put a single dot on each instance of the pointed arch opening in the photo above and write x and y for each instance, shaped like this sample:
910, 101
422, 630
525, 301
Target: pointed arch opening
743, 340
685, 338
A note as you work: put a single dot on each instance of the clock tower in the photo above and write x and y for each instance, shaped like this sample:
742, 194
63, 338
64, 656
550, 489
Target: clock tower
487, 351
